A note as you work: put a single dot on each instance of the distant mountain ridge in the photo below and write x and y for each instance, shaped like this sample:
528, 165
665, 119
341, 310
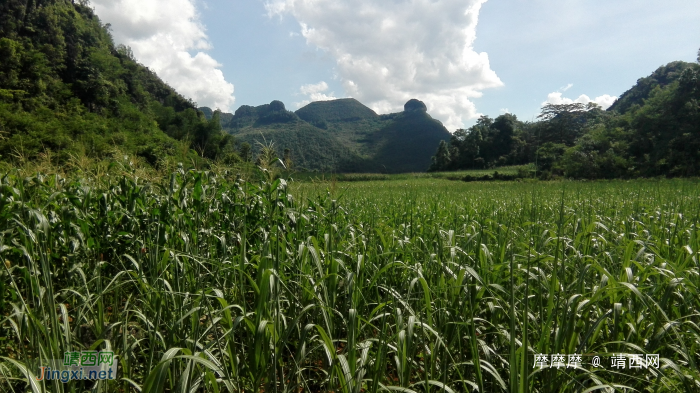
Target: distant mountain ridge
340, 110
341, 135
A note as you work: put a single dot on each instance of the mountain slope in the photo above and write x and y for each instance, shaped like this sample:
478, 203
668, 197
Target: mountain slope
340, 110
308, 147
652, 130
343, 135
663, 76
65, 87
404, 141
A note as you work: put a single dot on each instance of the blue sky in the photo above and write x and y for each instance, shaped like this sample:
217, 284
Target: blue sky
463, 58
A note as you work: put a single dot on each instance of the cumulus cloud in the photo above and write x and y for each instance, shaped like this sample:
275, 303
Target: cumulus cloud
391, 51
315, 92
556, 98
162, 35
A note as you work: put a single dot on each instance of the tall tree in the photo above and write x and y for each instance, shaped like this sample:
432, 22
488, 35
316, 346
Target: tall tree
564, 120
441, 159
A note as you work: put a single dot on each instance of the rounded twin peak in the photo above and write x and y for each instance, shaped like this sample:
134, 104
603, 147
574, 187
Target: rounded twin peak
277, 106
414, 105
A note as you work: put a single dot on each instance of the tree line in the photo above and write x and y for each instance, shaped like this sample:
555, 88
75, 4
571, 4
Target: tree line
653, 129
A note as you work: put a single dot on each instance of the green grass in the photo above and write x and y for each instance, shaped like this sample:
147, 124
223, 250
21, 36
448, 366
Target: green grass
355, 177
202, 282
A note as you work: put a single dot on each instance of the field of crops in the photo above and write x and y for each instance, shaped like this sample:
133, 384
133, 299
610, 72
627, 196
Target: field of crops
526, 170
203, 282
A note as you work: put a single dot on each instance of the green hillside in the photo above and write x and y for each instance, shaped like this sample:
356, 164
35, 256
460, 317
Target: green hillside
404, 141
342, 135
661, 78
67, 91
308, 147
321, 113
653, 129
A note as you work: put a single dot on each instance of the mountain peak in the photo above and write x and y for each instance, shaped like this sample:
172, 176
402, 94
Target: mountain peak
414, 105
277, 106
333, 111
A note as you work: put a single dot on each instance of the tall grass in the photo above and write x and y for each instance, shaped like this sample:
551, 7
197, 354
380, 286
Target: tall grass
205, 282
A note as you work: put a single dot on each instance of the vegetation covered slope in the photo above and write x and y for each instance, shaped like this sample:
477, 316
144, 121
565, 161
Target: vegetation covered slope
303, 145
652, 130
403, 143
321, 113
342, 135
66, 89
662, 77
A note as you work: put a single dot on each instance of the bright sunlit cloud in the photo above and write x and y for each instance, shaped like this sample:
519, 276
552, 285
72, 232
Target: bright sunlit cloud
389, 52
315, 92
163, 34
605, 101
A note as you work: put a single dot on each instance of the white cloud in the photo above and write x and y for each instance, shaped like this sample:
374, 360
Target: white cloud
162, 33
315, 92
391, 51
567, 87
605, 101
556, 98
504, 111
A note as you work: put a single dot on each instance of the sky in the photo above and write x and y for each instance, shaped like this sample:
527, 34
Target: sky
463, 58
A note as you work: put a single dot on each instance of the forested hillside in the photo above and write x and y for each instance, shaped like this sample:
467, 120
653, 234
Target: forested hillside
404, 141
340, 135
66, 91
653, 129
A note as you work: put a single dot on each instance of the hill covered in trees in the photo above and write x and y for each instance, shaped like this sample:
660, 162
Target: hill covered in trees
653, 129
66, 91
340, 135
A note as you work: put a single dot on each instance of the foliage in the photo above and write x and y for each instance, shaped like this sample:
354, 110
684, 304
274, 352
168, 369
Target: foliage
652, 130
666, 130
441, 159
343, 136
340, 110
660, 78
487, 144
565, 123
201, 281
66, 88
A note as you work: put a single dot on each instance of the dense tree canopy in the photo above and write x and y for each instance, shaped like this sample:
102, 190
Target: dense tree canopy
65, 87
651, 130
